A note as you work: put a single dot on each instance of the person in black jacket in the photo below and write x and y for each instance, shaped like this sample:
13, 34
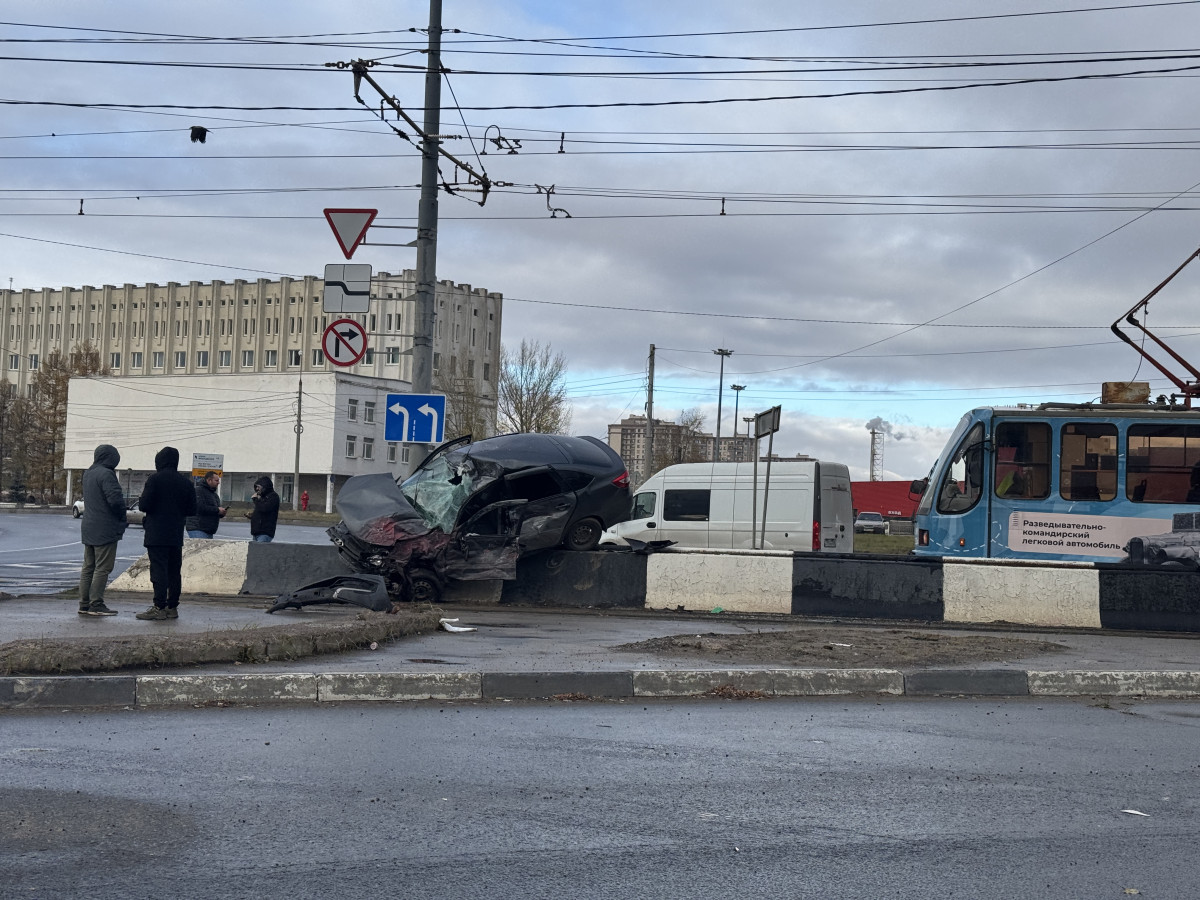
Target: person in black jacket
167, 500
266, 511
209, 511
100, 530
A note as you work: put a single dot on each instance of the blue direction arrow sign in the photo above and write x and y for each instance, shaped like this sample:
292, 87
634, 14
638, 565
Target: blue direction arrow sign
415, 418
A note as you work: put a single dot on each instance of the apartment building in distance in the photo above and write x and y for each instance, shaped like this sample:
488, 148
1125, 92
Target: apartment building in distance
672, 443
240, 327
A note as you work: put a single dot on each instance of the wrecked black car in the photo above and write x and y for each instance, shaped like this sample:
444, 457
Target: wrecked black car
472, 509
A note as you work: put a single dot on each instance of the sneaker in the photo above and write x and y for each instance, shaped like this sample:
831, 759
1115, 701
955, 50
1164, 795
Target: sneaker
83, 610
100, 610
153, 614
172, 612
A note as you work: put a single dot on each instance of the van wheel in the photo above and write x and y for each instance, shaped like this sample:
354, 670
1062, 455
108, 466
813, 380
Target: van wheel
425, 587
583, 535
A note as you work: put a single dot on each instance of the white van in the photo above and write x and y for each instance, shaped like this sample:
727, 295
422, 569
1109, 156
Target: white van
710, 505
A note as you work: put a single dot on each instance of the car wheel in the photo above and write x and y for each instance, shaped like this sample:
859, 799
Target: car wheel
425, 587
583, 535
75, 513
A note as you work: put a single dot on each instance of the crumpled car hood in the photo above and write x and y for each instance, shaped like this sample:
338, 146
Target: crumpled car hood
375, 510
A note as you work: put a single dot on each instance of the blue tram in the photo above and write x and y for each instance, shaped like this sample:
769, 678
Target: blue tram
1083, 482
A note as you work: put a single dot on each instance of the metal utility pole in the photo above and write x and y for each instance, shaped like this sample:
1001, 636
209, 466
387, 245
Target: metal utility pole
427, 218
299, 430
648, 467
720, 394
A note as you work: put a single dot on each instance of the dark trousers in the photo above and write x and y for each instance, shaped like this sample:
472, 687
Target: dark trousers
166, 574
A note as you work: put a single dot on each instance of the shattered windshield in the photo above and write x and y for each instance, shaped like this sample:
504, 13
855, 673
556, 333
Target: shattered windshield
439, 491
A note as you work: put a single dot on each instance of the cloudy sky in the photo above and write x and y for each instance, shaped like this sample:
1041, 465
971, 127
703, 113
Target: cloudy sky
923, 211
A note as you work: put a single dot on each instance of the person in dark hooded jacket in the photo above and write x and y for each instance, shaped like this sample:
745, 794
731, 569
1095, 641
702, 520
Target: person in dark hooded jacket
167, 500
100, 529
265, 513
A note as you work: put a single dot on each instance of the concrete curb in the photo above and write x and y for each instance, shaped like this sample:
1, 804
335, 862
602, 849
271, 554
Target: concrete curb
164, 691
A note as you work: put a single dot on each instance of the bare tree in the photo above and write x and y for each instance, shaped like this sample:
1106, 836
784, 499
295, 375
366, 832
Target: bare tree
468, 410
42, 418
532, 395
681, 442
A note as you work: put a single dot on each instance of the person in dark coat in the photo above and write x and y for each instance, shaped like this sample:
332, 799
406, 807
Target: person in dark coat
103, 523
167, 500
265, 513
209, 511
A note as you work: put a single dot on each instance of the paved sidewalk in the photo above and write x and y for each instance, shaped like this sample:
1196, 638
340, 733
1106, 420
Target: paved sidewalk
522, 653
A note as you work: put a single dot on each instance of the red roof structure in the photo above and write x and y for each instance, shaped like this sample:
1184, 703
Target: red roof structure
888, 498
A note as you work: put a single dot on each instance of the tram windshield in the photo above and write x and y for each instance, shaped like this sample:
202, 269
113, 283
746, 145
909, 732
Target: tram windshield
962, 478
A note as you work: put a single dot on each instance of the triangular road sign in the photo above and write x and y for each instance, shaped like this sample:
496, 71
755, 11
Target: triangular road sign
350, 227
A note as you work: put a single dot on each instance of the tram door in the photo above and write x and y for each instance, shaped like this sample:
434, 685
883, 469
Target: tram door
962, 520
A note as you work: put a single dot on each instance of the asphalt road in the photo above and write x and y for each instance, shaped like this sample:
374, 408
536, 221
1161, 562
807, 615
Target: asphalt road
40, 553
838, 798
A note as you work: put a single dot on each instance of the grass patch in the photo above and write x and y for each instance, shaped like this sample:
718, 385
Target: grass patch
889, 544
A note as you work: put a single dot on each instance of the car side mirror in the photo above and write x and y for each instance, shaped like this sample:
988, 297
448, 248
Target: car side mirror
918, 486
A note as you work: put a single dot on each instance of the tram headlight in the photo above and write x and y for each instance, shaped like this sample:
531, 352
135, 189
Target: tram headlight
923, 538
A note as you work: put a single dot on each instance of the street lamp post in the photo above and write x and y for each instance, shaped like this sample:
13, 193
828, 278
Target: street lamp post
737, 396
720, 394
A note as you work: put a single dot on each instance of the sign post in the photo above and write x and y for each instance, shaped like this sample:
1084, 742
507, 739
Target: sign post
344, 342
765, 425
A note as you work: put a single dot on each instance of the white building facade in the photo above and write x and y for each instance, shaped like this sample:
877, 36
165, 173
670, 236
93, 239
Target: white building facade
241, 327
249, 419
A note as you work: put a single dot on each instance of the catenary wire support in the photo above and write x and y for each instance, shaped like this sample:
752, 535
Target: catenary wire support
554, 210
479, 180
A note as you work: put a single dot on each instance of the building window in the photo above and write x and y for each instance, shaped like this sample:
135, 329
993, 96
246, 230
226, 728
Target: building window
369, 357
293, 357
352, 410
224, 358
368, 448
181, 359
437, 362
247, 359
404, 455
318, 357
114, 360
135, 359
201, 359
33, 362
393, 355
158, 359
272, 359
369, 411
487, 371
391, 451
470, 368
14, 361
351, 440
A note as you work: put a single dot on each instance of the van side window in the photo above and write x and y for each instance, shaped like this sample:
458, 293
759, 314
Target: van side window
686, 506
643, 505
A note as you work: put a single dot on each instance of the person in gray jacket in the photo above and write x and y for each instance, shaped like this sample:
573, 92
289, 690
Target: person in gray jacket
100, 529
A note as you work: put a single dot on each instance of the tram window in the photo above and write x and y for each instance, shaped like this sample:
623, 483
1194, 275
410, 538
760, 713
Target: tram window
1022, 460
1161, 464
1088, 461
962, 482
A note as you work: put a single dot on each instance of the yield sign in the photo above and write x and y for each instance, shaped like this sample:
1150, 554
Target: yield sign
344, 342
350, 227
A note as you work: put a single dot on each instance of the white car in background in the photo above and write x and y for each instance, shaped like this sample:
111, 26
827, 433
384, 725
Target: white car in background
132, 513
870, 523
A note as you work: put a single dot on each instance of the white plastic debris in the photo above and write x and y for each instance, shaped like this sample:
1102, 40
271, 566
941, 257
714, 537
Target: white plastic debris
1134, 812
448, 625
